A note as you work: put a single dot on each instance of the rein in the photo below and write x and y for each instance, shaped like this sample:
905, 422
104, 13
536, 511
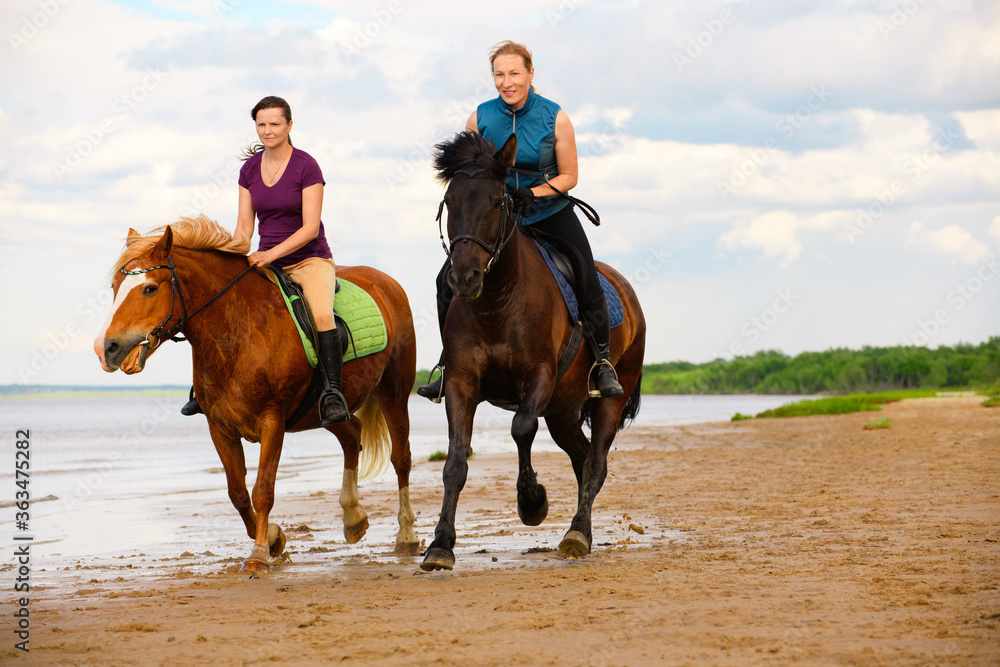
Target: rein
503, 235
176, 290
587, 209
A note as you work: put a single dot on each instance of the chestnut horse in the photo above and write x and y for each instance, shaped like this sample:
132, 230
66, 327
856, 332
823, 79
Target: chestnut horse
251, 372
503, 338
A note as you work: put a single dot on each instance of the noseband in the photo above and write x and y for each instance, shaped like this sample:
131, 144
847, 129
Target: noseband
158, 332
503, 236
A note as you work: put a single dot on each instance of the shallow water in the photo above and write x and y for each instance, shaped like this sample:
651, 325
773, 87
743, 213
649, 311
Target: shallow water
127, 471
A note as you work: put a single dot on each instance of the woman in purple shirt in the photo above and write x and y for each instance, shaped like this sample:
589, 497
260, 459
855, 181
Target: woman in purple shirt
282, 187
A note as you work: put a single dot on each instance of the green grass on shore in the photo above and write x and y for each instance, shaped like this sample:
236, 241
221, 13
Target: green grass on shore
839, 405
992, 394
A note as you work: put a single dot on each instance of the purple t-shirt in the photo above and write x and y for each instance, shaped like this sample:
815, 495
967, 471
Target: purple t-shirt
279, 207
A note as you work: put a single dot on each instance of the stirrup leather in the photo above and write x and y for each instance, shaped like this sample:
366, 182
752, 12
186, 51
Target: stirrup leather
595, 392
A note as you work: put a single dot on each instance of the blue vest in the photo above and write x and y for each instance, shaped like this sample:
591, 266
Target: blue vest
535, 127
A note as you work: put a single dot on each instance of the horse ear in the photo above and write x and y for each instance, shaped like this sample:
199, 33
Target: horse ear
132, 237
507, 152
166, 242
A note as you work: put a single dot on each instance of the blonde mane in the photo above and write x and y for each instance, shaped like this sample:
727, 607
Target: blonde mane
199, 233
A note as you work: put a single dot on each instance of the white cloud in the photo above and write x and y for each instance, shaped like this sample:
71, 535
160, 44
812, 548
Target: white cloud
982, 127
773, 233
995, 229
951, 240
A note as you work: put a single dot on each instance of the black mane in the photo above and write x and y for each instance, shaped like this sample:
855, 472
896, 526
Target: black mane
467, 151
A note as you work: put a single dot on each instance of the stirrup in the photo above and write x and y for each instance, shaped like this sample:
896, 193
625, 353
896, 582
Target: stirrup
339, 397
595, 392
192, 407
437, 367
427, 390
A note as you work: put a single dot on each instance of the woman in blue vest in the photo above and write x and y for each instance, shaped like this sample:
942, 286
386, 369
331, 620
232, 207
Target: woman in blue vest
546, 144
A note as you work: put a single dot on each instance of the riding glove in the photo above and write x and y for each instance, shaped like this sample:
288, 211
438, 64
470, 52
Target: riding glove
523, 197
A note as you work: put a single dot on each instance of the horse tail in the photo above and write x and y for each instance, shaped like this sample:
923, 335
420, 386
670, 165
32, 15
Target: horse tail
632, 406
375, 442
628, 414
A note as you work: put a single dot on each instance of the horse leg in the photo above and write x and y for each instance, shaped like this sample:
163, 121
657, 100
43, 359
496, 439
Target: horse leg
461, 412
566, 432
397, 419
230, 450
532, 501
268, 538
604, 418
355, 517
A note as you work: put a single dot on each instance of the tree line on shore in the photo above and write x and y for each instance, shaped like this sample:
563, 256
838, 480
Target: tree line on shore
836, 370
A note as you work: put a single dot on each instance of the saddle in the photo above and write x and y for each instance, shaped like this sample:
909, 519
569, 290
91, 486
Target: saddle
563, 262
295, 301
566, 264
359, 321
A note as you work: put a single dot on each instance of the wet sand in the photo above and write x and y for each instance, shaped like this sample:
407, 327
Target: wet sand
809, 541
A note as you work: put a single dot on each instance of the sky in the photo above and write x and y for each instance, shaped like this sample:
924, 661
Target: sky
784, 175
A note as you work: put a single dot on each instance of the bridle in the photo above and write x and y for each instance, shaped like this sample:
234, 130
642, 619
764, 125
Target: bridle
507, 217
176, 291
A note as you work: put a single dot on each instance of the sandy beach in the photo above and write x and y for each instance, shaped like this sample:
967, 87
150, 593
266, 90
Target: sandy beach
807, 541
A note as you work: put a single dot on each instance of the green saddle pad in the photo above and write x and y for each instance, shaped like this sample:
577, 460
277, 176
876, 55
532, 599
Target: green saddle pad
363, 318
357, 310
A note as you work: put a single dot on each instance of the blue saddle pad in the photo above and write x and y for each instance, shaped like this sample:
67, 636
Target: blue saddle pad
615, 310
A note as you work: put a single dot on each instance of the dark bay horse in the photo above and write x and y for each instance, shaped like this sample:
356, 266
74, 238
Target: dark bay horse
250, 370
504, 334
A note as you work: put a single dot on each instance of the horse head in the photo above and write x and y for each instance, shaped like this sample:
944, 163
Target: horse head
143, 303
480, 219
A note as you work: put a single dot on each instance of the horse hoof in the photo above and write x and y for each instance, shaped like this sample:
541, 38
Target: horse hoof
353, 534
275, 538
255, 566
537, 517
437, 558
574, 544
407, 548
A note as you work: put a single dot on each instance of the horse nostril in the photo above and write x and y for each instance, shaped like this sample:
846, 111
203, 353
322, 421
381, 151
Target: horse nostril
110, 348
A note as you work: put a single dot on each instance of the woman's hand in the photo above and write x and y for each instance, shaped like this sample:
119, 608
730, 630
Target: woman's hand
261, 258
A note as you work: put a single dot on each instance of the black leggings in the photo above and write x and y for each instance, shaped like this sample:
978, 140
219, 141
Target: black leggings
564, 228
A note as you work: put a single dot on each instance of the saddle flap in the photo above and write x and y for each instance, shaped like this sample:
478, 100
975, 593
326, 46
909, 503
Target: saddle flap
291, 292
554, 256
561, 260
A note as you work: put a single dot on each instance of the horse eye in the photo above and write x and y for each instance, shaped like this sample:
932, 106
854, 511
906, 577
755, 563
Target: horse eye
149, 290
498, 203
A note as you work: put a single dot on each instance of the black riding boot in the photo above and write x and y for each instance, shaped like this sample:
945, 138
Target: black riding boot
332, 404
191, 407
597, 319
435, 390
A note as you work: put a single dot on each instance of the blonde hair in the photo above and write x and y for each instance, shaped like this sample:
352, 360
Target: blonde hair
509, 48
